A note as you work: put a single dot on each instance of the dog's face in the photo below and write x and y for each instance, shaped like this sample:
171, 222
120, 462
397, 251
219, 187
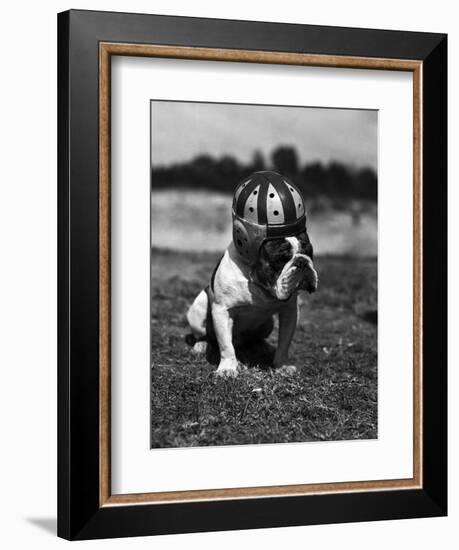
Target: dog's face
285, 265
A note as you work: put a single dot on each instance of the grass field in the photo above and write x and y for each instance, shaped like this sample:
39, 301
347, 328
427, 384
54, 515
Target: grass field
333, 396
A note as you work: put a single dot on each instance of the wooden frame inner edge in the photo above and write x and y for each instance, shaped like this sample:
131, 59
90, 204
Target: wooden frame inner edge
106, 50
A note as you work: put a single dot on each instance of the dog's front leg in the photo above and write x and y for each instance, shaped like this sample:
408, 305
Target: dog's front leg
223, 326
288, 318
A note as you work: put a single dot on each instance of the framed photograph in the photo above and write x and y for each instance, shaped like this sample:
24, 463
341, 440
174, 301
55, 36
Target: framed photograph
252, 274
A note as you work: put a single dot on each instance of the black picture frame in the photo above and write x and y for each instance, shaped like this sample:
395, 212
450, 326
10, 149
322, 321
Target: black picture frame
80, 515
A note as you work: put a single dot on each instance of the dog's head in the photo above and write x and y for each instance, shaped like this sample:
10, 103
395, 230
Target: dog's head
285, 265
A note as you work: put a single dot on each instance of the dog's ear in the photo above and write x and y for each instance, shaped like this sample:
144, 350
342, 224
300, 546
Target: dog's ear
306, 245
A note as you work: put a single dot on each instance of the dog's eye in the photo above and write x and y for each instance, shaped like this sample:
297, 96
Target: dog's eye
276, 247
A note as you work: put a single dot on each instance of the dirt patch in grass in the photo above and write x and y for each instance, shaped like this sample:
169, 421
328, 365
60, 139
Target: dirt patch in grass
333, 395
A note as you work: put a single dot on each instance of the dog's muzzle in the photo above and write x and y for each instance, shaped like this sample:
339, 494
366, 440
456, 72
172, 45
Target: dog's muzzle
298, 273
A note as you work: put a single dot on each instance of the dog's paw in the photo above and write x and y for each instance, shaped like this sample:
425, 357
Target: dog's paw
199, 348
288, 370
227, 368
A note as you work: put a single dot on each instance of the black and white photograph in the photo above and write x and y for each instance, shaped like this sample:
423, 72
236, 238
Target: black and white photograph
263, 274
228, 291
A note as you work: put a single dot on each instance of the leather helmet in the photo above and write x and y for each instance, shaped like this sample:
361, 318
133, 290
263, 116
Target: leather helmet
266, 205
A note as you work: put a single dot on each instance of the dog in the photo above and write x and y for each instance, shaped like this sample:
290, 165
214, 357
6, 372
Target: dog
239, 304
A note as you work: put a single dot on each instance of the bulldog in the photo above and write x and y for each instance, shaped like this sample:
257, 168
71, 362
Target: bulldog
239, 304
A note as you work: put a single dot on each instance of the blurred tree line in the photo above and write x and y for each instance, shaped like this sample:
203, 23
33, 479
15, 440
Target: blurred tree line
337, 181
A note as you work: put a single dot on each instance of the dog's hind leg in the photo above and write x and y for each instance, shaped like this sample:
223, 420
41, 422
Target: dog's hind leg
197, 315
197, 320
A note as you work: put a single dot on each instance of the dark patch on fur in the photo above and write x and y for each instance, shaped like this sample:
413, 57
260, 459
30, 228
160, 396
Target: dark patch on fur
274, 254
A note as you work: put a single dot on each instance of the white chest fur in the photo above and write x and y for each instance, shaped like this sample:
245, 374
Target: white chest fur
249, 304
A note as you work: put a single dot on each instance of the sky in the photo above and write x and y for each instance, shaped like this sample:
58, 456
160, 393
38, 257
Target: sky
183, 130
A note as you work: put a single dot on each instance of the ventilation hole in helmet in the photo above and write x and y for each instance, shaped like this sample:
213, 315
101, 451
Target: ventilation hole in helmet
239, 243
271, 195
291, 189
276, 212
251, 209
299, 205
255, 192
